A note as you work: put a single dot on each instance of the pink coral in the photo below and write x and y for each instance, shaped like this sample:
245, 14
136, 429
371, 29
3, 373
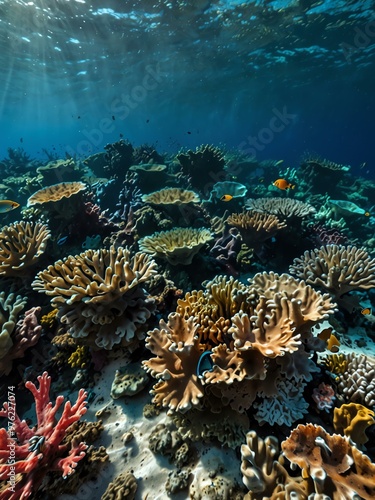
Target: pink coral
324, 396
26, 455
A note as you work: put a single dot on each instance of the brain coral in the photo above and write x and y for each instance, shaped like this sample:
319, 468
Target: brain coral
99, 294
177, 246
21, 245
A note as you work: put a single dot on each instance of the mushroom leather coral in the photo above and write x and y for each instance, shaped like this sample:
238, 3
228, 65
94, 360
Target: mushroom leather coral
336, 466
38, 450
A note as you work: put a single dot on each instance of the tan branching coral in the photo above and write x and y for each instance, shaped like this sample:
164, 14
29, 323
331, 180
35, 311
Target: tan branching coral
21, 246
99, 294
56, 192
352, 420
254, 227
171, 196
336, 268
283, 207
176, 347
214, 307
336, 466
177, 246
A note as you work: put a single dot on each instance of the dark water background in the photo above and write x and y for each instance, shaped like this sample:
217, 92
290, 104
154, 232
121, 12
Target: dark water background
76, 74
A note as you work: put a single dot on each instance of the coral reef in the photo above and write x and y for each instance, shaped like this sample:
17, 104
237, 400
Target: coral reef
177, 246
37, 451
282, 207
55, 193
99, 295
10, 308
21, 246
356, 381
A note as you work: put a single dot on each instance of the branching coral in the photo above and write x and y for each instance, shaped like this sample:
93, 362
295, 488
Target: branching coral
171, 196
177, 246
26, 455
176, 347
283, 207
99, 294
21, 245
335, 465
255, 228
338, 269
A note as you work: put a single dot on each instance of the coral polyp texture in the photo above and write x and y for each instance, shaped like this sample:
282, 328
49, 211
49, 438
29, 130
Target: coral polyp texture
336, 466
177, 246
21, 246
283, 207
38, 450
336, 268
99, 295
171, 196
55, 193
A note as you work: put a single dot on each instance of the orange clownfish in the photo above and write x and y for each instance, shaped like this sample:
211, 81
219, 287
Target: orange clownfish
366, 311
283, 184
226, 197
7, 206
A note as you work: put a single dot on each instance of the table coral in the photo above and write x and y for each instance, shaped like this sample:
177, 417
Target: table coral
283, 207
21, 246
171, 196
352, 420
99, 295
55, 193
336, 466
37, 451
177, 246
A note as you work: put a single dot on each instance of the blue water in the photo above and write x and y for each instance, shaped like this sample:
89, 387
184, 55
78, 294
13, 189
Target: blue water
77, 74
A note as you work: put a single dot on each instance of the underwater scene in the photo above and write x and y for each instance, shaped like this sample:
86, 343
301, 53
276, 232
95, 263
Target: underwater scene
187, 250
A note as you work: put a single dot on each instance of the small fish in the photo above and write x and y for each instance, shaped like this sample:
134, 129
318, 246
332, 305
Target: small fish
366, 311
113, 117
261, 180
283, 184
7, 206
21, 139
226, 197
279, 162
367, 214
62, 240
188, 132
333, 342
362, 165
205, 363
121, 135
36, 443
148, 120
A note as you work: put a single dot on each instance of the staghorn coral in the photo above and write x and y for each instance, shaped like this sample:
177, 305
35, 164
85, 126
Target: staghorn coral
10, 308
177, 246
336, 268
336, 466
39, 450
282, 207
55, 193
255, 228
21, 245
171, 196
99, 294
25, 335
352, 420
176, 347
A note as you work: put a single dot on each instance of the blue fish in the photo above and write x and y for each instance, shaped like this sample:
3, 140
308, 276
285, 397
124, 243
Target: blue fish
205, 363
62, 240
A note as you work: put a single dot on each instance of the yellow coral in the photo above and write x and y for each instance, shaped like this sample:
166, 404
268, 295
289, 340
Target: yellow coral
352, 420
336, 363
78, 359
48, 320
